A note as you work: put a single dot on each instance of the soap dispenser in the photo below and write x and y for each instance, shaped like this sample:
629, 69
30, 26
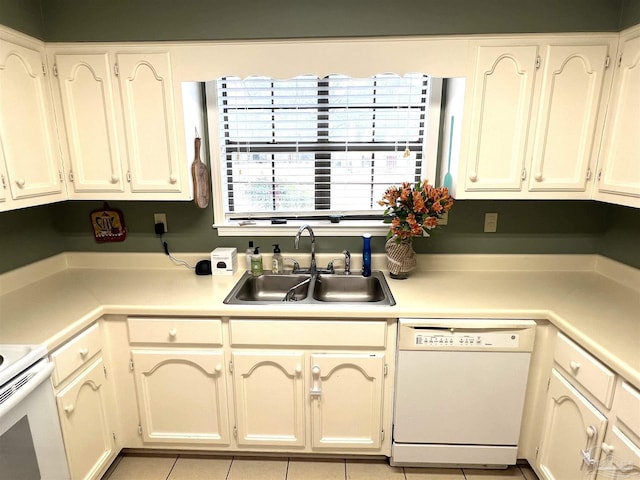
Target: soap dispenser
256, 263
248, 254
277, 262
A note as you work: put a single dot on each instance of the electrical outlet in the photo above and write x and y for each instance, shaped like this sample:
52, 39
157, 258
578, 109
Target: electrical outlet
160, 218
490, 222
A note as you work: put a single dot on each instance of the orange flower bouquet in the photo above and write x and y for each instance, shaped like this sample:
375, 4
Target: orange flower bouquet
413, 210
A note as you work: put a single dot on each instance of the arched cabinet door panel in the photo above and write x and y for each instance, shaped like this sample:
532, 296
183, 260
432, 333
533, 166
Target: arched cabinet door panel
28, 137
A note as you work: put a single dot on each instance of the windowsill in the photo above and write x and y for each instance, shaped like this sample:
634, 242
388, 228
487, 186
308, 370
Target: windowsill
321, 228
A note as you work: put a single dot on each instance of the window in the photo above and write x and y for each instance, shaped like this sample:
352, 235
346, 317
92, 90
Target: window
308, 147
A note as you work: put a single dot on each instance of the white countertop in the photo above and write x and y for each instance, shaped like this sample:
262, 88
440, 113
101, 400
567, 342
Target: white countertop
595, 301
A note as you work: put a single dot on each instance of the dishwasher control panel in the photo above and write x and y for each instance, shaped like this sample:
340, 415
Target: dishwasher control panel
466, 334
456, 340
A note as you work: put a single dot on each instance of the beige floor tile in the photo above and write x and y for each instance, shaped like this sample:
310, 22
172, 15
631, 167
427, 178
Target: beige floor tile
143, 467
316, 470
511, 473
433, 473
258, 469
373, 471
200, 468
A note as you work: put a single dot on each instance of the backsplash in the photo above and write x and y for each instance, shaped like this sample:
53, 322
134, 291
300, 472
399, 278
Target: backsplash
550, 227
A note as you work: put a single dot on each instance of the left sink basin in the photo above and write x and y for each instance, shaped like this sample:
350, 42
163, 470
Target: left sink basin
268, 289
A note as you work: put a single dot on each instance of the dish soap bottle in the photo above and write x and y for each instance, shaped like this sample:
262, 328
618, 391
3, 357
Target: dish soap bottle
248, 253
277, 262
256, 263
366, 254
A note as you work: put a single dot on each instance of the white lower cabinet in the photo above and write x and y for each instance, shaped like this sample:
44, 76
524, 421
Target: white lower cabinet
182, 395
346, 396
573, 432
86, 406
269, 398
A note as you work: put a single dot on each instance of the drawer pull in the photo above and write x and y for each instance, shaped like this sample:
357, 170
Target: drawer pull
83, 352
575, 366
173, 333
69, 409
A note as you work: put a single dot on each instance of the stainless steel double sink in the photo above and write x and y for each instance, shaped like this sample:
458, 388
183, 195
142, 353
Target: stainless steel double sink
311, 289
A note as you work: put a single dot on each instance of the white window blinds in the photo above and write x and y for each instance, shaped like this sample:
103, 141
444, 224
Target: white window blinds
313, 146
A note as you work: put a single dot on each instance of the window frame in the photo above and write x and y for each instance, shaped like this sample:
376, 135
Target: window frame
322, 226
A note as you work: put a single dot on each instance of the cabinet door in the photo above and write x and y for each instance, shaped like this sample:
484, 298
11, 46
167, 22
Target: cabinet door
346, 400
182, 396
89, 115
620, 458
84, 407
269, 397
572, 434
570, 101
150, 121
500, 117
620, 172
28, 137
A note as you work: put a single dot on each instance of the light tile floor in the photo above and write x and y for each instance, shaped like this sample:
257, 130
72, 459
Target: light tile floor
192, 467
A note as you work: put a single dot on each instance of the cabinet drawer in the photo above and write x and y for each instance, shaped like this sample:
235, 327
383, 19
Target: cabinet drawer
75, 353
308, 333
585, 369
627, 407
175, 331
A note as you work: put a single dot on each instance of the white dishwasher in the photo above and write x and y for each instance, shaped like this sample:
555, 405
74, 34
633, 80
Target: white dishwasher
460, 390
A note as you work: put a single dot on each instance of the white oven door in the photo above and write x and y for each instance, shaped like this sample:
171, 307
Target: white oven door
31, 445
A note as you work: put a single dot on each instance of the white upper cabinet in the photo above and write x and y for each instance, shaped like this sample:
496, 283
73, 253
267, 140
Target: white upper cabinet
150, 121
28, 137
88, 101
570, 100
123, 130
500, 115
534, 111
619, 169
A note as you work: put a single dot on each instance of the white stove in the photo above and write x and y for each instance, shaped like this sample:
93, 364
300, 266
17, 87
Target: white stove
16, 358
31, 443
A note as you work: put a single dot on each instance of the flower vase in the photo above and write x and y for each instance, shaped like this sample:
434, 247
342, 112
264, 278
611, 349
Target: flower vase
401, 258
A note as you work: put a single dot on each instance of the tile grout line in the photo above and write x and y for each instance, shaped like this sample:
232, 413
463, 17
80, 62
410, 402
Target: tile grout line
229, 470
172, 467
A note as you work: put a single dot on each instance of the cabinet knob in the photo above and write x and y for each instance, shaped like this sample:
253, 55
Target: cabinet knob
607, 449
538, 177
591, 431
218, 368
172, 333
298, 369
575, 366
83, 352
315, 371
20, 182
115, 179
473, 177
69, 409
173, 179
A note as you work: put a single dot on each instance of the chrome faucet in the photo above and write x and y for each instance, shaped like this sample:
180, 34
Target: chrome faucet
347, 262
296, 242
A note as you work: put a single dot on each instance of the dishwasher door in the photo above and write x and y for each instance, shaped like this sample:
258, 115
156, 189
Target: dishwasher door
472, 398
460, 391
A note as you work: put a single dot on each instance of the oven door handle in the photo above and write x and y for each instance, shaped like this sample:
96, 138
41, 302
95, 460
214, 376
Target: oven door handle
43, 372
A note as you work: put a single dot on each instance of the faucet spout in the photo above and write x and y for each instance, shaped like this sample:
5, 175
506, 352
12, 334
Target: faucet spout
296, 243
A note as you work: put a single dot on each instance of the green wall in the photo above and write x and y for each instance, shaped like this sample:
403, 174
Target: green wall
22, 15
630, 14
563, 227
104, 20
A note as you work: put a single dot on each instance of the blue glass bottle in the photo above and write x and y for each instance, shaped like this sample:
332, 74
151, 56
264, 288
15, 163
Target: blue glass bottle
366, 254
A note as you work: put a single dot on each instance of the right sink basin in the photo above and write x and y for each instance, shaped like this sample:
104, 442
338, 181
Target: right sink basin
349, 289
